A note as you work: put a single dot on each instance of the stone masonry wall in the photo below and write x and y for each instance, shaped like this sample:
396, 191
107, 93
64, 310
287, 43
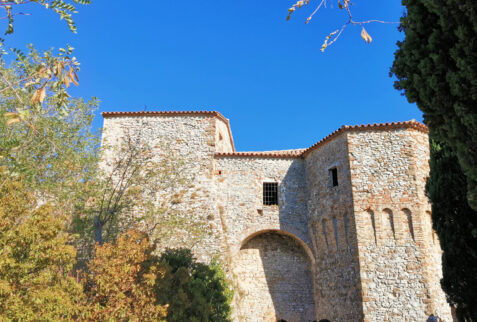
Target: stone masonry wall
387, 175
331, 225
363, 250
275, 274
239, 182
223, 140
430, 240
191, 139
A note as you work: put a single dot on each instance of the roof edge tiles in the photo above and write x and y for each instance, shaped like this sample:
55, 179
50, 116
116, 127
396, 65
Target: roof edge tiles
345, 128
175, 113
286, 154
367, 127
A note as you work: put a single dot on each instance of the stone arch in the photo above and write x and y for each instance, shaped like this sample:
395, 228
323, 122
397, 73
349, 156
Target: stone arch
305, 246
274, 274
388, 223
366, 226
408, 220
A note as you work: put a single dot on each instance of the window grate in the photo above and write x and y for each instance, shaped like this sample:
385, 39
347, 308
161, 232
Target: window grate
270, 193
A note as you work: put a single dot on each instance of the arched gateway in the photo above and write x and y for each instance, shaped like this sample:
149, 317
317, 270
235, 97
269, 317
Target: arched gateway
274, 277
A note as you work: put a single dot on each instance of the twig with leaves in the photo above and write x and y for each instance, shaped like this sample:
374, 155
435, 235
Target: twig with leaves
64, 8
334, 35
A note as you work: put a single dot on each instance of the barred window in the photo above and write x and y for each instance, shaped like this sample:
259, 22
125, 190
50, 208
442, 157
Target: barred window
270, 193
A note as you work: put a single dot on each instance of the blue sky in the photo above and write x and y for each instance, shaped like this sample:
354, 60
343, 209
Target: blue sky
241, 58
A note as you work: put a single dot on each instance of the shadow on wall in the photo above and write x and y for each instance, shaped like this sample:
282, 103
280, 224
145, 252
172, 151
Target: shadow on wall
276, 264
283, 276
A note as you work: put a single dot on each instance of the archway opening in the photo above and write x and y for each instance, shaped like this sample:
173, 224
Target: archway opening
274, 273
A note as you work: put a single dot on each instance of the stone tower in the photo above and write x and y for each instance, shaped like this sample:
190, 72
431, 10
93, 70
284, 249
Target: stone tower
337, 231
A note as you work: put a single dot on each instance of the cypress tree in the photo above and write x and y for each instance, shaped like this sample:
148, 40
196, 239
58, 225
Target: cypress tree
436, 68
456, 224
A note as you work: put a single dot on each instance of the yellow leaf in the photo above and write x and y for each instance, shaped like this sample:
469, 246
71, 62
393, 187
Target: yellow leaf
13, 121
42, 94
366, 37
10, 114
66, 80
73, 79
34, 98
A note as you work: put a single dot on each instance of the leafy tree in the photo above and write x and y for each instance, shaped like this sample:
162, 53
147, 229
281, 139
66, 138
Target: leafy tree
64, 8
46, 135
36, 257
139, 186
194, 291
456, 224
126, 281
436, 67
122, 279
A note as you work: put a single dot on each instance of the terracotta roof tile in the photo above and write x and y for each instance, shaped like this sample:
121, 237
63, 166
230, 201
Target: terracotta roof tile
283, 154
368, 127
165, 113
345, 128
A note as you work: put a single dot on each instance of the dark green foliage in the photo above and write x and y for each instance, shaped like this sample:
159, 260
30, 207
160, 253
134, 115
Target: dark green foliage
456, 224
436, 67
194, 291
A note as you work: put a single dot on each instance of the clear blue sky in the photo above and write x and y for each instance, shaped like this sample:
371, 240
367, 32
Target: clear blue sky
241, 58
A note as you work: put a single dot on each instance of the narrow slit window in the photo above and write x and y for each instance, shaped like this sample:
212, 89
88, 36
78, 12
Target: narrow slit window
270, 193
333, 177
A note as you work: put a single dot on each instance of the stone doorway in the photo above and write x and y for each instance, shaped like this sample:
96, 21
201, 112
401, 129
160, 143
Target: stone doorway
274, 277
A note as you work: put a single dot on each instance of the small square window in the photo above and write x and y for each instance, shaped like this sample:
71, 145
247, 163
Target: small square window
270, 193
333, 173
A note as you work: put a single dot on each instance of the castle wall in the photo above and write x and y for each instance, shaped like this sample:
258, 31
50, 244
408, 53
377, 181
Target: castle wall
331, 226
256, 262
223, 138
362, 250
275, 276
429, 240
387, 175
191, 139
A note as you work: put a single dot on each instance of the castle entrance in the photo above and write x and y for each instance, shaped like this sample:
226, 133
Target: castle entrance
274, 277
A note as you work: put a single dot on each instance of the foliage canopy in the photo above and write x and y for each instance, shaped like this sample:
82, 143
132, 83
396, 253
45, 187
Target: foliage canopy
194, 291
122, 279
436, 67
456, 224
36, 259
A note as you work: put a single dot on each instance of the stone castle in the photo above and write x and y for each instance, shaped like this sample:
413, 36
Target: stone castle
339, 231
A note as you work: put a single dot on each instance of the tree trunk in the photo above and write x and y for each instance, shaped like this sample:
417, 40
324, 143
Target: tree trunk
98, 230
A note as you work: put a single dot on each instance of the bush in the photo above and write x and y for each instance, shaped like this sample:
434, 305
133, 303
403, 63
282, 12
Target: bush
36, 259
194, 291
